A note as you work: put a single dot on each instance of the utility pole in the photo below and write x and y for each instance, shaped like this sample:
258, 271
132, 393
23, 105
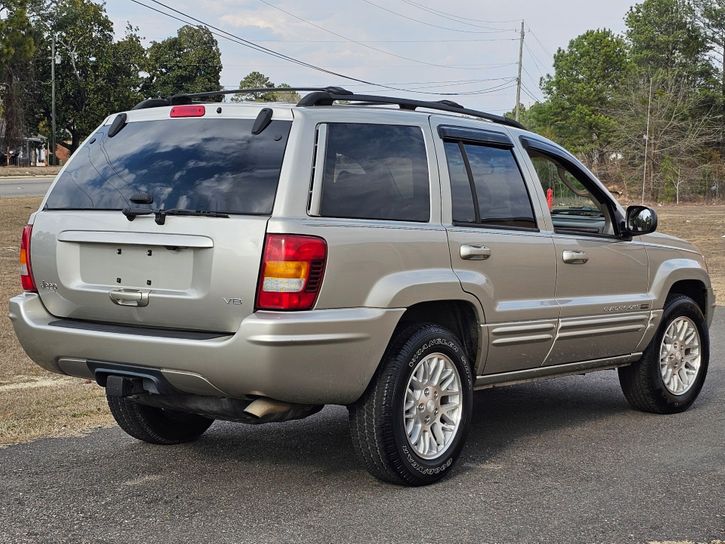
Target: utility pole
518, 79
53, 161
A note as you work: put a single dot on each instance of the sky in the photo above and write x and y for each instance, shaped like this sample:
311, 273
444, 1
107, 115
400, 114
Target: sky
469, 47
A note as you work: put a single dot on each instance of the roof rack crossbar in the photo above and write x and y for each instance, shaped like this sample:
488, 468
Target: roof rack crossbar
327, 98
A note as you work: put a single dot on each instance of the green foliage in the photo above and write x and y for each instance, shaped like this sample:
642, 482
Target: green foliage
664, 35
189, 62
257, 80
17, 47
95, 75
586, 76
598, 102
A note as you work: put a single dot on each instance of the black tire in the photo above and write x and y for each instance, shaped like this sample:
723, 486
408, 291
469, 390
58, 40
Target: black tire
376, 419
642, 382
156, 425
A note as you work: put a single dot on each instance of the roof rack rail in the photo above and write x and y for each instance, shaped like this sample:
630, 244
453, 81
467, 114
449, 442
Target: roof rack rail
188, 98
326, 97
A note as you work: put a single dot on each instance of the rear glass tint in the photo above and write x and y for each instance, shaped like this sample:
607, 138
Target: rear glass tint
375, 172
192, 164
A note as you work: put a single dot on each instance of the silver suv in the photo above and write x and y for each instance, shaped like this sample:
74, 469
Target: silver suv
253, 263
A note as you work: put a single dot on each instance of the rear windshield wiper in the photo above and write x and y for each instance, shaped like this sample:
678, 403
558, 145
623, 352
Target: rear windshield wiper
161, 214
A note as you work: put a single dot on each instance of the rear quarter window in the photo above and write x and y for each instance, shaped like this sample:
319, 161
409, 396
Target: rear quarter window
375, 172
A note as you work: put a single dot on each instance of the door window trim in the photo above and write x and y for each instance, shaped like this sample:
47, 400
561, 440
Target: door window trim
474, 136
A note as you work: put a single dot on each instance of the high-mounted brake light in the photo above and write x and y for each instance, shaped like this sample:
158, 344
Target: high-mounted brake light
291, 272
188, 110
26, 272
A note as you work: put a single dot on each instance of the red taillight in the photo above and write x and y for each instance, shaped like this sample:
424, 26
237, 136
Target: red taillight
291, 272
26, 272
189, 110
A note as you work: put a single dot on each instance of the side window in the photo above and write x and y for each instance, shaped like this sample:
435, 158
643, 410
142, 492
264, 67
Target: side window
375, 172
463, 209
487, 187
574, 209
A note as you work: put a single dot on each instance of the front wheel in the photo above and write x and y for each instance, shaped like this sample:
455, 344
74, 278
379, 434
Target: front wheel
410, 425
672, 370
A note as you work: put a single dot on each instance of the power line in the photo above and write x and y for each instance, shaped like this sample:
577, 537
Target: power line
543, 47
363, 44
432, 25
241, 41
526, 90
443, 83
456, 18
531, 77
487, 90
535, 59
467, 40
453, 15
262, 49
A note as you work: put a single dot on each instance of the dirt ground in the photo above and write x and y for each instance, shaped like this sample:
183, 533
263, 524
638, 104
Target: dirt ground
35, 403
704, 226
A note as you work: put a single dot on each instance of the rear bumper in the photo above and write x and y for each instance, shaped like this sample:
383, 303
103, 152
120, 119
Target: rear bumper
315, 357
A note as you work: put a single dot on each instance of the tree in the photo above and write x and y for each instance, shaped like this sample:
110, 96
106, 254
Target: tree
664, 35
121, 72
711, 14
671, 152
537, 118
95, 76
17, 47
257, 80
587, 75
189, 62
288, 97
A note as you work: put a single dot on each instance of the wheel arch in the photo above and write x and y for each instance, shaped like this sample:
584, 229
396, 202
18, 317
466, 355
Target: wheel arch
461, 317
683, 277
695, 289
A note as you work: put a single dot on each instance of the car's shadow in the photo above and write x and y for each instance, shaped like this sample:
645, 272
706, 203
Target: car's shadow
502, 417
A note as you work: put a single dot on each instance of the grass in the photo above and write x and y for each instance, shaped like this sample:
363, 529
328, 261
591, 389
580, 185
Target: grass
14, 171
35, 403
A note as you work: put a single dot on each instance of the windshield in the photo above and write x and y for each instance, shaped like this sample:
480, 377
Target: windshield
213, 165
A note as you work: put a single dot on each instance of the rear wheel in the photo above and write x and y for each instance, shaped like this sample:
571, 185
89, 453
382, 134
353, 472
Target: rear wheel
410, 425
672, 370
156, 425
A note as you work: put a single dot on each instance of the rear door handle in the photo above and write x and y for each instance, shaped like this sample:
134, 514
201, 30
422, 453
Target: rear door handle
474, 253
129, 297
574, 257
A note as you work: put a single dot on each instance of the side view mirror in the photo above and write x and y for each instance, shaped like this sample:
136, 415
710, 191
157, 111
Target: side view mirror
641, 220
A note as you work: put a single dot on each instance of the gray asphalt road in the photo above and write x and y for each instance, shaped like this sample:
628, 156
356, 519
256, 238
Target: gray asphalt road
24, 186
563, 460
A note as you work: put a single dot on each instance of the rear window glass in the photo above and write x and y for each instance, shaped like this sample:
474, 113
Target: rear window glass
375, 172
191, 164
